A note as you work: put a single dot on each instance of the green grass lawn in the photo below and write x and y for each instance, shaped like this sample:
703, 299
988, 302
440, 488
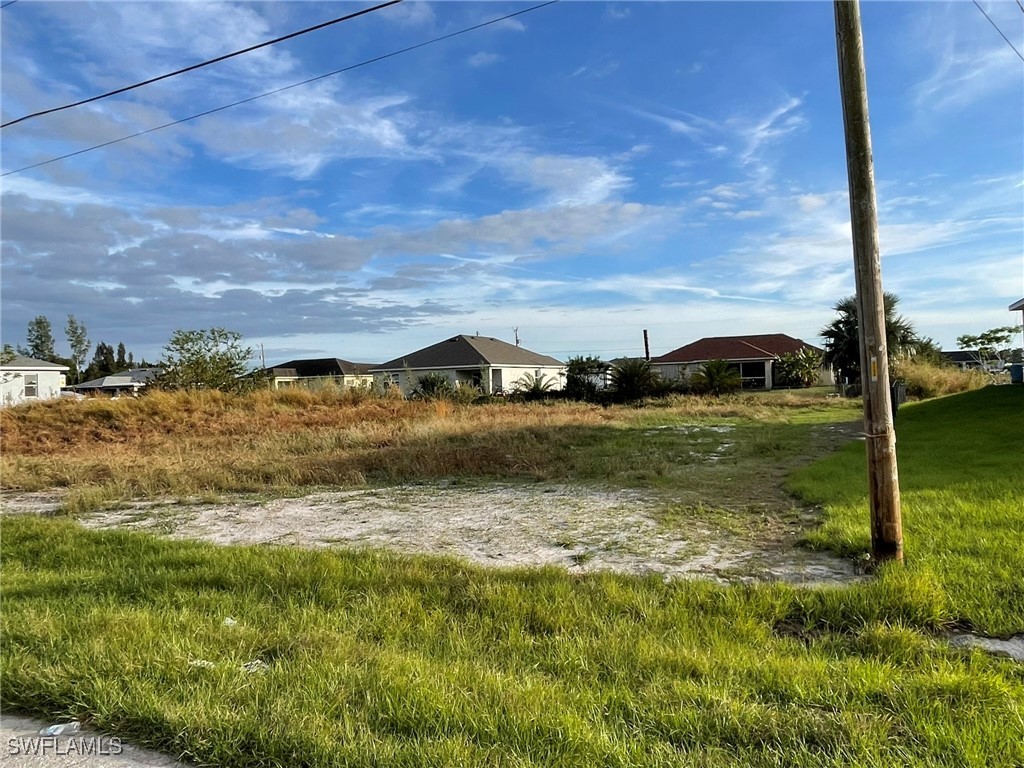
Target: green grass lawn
961, 469
378, 659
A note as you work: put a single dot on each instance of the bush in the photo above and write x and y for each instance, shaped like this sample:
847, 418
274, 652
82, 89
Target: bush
924, 379
433, 386
716, 377
634, 379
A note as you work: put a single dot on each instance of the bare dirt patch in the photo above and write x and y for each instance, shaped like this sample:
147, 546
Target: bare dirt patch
579, 528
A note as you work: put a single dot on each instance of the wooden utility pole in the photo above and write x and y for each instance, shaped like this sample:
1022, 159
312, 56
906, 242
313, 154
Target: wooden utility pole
647, 347
883, 478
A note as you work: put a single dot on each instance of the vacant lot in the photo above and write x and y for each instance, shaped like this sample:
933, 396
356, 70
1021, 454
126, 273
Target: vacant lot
691, 487
268, 655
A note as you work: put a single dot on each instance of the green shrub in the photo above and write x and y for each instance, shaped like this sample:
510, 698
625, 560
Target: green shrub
716, 377
433, 386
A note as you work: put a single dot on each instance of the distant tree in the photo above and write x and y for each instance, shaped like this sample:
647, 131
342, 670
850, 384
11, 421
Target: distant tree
929, 350
7, 354
78, 342
102, 364
842, 345
131, 362
39, 339
580, 374
121, 363
205, 359
799, 369
993, 344
716, 377
633, 379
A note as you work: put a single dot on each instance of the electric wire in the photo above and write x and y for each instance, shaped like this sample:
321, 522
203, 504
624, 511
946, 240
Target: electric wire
202, 64
9, 2
283, 88
997, 29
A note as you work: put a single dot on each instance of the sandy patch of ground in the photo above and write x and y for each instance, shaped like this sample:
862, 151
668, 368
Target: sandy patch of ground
581, 529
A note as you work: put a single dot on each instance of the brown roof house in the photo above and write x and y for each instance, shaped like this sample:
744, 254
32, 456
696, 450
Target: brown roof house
753, 356
319, 372
494, 366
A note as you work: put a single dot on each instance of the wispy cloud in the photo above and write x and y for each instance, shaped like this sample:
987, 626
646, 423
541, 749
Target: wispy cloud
483, 59
756, 134
970, 62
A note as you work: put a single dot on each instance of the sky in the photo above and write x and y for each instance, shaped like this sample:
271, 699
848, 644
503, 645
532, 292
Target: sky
581, 172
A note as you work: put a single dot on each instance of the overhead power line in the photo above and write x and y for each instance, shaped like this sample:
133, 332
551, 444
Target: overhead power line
9, 2
997, 29
285, 88
202, 64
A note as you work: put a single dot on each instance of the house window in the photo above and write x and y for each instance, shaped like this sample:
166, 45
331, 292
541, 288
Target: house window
754, 375
31, 385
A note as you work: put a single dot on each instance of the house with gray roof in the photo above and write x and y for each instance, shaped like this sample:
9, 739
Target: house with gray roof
122, 383
318, 372
491, 365
27, 380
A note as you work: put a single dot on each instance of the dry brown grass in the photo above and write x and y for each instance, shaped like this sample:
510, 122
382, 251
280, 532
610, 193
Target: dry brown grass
195, 444
925, 380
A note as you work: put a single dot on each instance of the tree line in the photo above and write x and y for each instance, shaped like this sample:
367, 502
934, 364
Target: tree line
40, 344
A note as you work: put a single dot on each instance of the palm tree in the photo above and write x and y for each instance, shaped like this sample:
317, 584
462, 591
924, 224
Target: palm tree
842, 345
633, 379
716, 377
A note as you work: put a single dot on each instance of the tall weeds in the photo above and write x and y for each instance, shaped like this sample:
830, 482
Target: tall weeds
925, 380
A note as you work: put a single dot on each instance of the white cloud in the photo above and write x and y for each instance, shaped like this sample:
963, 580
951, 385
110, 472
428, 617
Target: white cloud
970, 62
482, 59
762, 131
809, 203
411, 13
567, 180
674, 124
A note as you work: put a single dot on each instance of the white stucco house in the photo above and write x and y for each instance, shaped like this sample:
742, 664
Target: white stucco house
27, 380
754, 357
495, 367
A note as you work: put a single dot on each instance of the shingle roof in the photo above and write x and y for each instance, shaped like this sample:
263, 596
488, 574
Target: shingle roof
137, 377
323, 366
468, 352
20, 361
963, 356
758, 347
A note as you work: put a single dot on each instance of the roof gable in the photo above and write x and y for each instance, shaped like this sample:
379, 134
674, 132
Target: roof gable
322, 366
135, 378
469, 352
21, 362
756, 347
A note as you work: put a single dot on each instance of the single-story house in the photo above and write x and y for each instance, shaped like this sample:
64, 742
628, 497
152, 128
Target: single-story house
318, 372
494, 366
964, 359
26, 380
753, 356
123, 383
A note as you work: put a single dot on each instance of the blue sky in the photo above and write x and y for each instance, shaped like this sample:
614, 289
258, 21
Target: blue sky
581, 172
